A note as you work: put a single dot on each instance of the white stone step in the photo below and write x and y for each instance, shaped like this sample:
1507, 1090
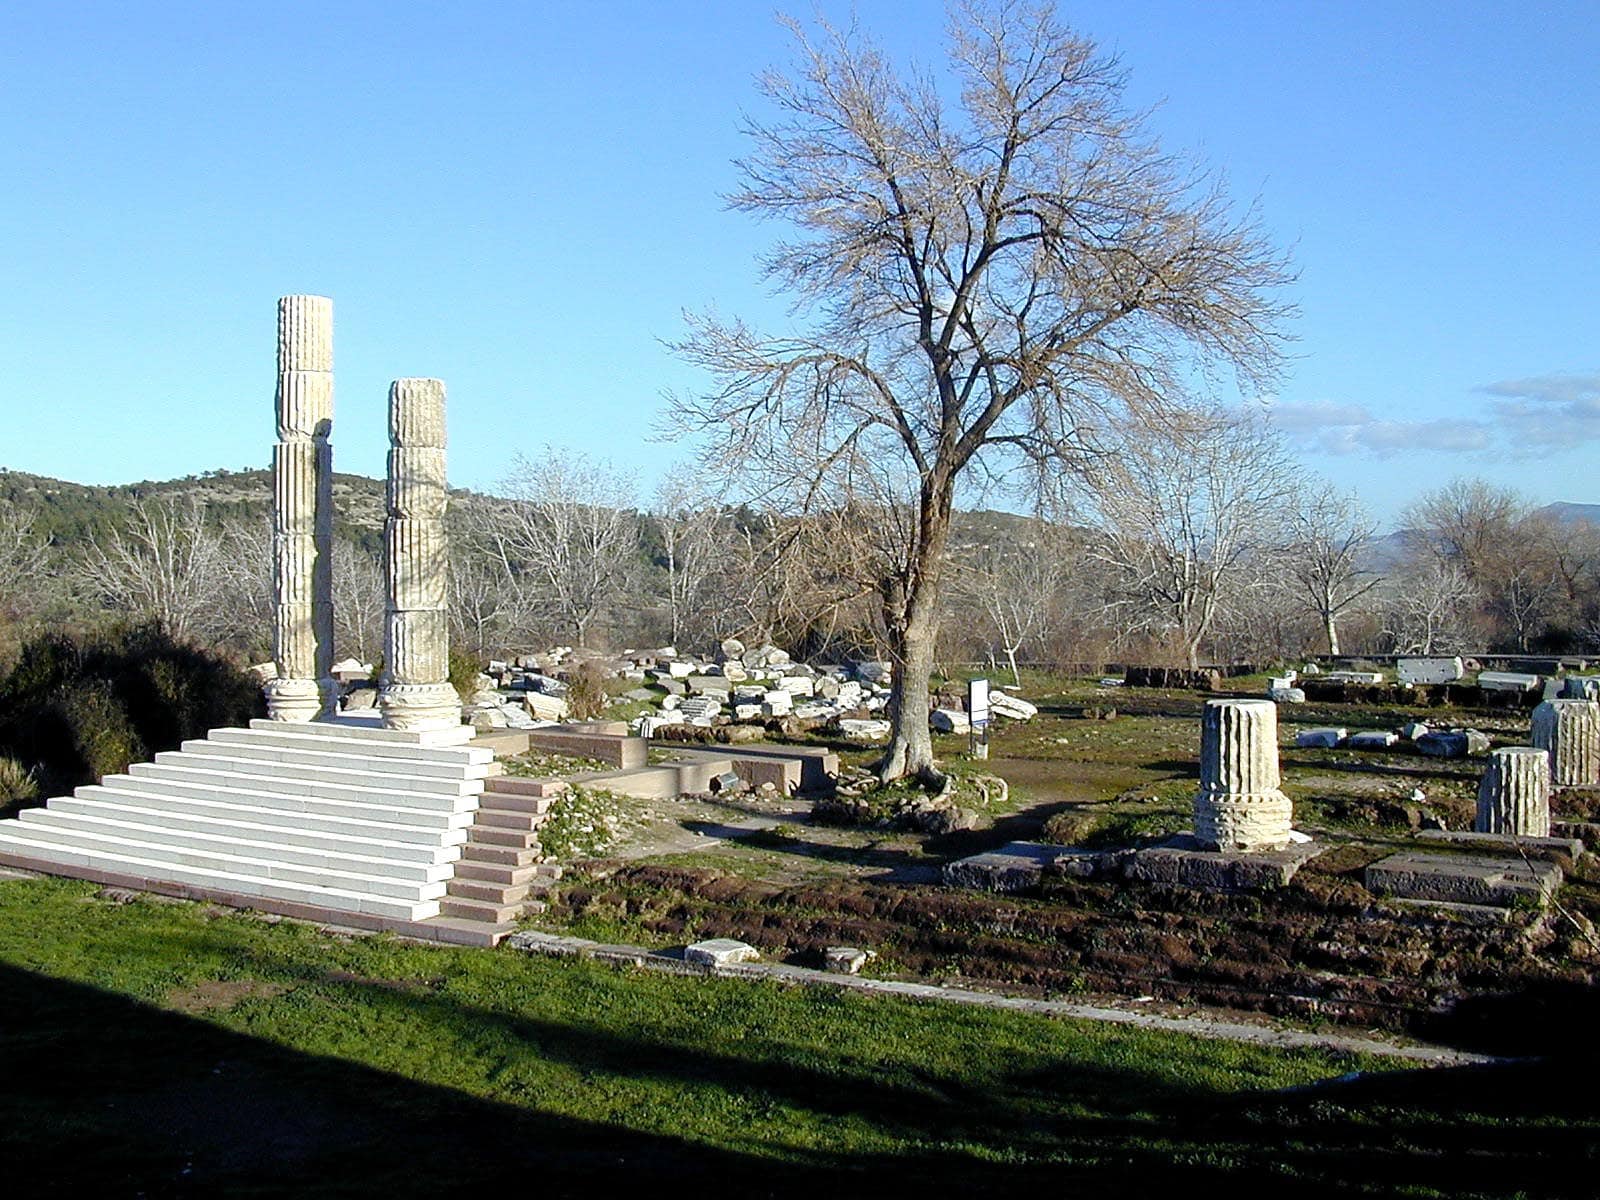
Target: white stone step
405, 808
287, 735
368, 728
20, 841
329, 759
218, 758
327, 816
289, 786
264, 842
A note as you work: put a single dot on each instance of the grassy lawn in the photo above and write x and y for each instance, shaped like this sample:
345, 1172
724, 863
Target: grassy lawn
157, 1048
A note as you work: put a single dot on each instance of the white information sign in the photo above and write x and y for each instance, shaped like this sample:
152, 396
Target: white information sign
978, 702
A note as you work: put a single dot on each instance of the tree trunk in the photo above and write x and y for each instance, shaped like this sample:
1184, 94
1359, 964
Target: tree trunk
1333, 634
911, 612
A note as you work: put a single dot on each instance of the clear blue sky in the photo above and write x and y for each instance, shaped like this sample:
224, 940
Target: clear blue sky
520, 199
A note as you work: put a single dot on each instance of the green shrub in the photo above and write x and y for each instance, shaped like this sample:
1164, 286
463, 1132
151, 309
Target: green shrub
83, 708
464, 672
18, 786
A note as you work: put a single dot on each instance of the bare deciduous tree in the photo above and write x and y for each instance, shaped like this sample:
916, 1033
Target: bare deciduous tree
1429, 610
1013, 588
695, 534
163, 565
358, 602
1329, 532
1182, 514
24, 558
568, 535
985, 276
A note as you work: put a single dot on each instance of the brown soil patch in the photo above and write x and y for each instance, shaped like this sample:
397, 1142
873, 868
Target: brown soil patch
221, 994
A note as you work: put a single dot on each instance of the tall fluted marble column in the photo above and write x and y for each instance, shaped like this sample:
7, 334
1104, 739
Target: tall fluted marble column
302, 514
416, 693
1240, 805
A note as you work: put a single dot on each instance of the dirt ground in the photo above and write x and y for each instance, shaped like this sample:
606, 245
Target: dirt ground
1323, 949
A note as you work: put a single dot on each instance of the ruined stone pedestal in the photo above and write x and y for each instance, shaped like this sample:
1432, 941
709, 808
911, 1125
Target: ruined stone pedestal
302, 514
1514, 794
1569, 730
1240, 806
416, 693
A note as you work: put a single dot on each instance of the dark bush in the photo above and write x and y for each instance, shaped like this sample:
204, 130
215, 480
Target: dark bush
76, 709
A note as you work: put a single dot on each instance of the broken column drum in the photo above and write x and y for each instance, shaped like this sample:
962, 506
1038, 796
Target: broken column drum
302, 514
1569, 730
1514, 793
1240, 805
415, 691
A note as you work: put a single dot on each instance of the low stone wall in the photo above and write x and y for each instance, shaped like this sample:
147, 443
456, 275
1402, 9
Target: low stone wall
1453, 695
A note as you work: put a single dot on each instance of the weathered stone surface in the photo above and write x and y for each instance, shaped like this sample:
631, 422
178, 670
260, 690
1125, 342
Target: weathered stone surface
949, 720
1364, 677
416, 693
1319, 739
1430, 670
1291, 695
846, 960
1239, 805
1014, 867
1373, 739
1548, 848
863, 730
1463, 879
1514, 793
1014, 708
1581, 687
1185, 862
302, 515
1569, 731
1507, 681
1452, 743
1412, 730
720, 952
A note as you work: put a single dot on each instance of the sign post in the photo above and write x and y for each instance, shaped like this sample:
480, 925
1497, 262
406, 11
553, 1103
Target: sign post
978, 717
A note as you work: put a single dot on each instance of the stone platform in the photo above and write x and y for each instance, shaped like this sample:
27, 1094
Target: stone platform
1464, 879
335, 817
1181, 861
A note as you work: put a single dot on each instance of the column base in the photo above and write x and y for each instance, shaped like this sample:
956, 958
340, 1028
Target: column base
420, 706
1243, 821
294, 700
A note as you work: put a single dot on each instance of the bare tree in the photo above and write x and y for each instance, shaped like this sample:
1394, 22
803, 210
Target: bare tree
1183, 514
1012, 589
162, 564
984, 278
568, 535
1329, 532
695, 535
24, 560
358, 601
1430, 609
243, 614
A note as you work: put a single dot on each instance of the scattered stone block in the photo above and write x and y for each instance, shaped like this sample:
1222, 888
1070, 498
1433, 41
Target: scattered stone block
1361, 677
726, 783
1319, 739
1464, 879
1507, 681
1014, 867
1015, 708
1452, 743
1430, 670
1373, 739
864, 730
1550, 849
1291, 695
1184, 861
846, 960
949, 720
1579, 687
720, 952
1412, 730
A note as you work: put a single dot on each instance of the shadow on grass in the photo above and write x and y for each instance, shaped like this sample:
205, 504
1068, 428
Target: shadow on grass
105, 1096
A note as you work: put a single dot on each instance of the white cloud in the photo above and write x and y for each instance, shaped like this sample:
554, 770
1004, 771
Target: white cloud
1525, 417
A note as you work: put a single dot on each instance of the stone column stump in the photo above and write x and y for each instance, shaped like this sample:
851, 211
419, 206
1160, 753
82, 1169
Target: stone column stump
1514, 793
302, 515
1240, 806
415, 692
1569, 730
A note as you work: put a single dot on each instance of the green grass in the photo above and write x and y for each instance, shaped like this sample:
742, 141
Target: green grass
142, 1053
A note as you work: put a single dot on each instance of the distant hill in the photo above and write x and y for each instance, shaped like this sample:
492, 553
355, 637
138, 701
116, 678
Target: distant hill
1567, 513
